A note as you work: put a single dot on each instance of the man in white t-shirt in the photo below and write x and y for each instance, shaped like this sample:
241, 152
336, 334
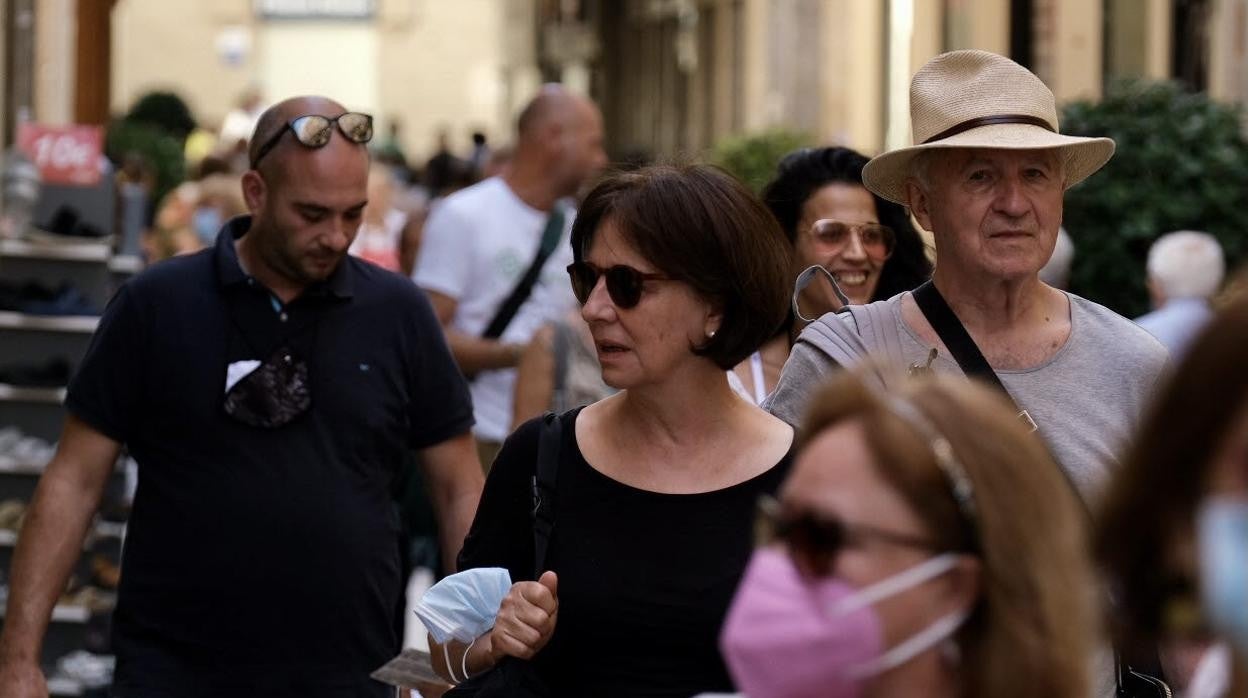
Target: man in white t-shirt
480, 241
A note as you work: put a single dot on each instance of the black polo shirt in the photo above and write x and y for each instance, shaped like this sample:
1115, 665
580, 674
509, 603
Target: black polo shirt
264, 554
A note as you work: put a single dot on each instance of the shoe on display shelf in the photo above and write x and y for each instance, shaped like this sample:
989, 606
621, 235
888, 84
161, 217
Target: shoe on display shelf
66, 227
93, 599
34, 298
89, 670
12, 514
53, 373
18, 450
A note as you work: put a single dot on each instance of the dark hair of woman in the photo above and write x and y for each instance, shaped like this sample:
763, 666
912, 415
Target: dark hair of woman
803, 172
700, 225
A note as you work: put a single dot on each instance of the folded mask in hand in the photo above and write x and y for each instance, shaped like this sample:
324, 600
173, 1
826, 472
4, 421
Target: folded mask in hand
463, 606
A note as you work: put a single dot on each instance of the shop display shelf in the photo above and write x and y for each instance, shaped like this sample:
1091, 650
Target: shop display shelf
85, 324
126, 264
33, 469
61, 686
66, 613
18, 393
68, 252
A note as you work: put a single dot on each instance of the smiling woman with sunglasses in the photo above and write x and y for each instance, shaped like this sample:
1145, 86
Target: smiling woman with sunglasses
924, 545
682, 273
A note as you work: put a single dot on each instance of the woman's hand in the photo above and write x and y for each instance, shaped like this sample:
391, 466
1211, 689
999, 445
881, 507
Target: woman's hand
526, 619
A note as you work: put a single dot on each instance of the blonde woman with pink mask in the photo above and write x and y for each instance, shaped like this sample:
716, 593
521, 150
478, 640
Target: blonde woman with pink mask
924, 545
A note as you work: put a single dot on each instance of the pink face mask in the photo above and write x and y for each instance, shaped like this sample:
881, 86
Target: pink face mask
789, 637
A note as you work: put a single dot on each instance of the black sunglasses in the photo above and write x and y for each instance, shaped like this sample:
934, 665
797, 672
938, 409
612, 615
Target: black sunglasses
813, 542
314, 131
624, 283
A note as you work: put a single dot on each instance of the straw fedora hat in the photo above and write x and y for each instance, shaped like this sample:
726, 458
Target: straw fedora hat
977, 99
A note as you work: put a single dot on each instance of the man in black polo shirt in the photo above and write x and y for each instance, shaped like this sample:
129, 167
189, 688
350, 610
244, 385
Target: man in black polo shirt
268, 389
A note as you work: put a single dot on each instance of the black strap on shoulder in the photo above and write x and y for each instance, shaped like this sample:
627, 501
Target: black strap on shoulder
954, 335
961, 346
544, 488
959, 343
561, 339
524, 287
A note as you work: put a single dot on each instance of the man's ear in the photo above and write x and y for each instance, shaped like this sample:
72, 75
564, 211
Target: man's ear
255, 191
919, 203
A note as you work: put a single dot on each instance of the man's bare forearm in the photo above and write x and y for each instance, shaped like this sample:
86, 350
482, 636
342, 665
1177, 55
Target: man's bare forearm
455, 481
475, 354
49, 545
459, 510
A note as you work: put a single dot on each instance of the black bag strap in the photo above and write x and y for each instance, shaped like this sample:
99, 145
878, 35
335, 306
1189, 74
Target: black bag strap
953, 333
960, 345
544, 488
524, 287
561, 339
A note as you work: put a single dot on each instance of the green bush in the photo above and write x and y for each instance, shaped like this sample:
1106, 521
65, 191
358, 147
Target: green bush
155, 130
1181, 163
161, 152
165, 110
753, 158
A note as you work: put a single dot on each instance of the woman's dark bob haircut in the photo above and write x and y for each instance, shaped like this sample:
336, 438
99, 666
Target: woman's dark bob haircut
700, 225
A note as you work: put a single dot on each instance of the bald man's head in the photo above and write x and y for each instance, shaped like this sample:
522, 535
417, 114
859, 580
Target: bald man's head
272, 123
561, 133
552, 105
306, 201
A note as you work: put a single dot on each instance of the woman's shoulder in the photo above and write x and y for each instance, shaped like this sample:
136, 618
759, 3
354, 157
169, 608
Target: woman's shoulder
518, 456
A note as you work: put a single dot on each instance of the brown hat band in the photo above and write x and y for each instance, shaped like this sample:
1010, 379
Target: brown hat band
992, 121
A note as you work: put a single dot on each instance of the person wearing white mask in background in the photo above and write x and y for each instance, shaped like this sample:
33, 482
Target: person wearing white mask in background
925, 544
1174, 532
1185, 269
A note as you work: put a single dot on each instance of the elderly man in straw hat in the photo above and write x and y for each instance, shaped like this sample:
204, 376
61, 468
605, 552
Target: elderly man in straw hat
987, 176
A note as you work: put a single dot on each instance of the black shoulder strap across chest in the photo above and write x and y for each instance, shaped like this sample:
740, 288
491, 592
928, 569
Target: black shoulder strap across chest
951, 331
544, 488
551, 234
960, 345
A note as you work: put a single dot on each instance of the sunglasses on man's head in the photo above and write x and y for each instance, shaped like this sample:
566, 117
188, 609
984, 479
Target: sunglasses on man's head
624, 283
814, 541
877, 240
314, 131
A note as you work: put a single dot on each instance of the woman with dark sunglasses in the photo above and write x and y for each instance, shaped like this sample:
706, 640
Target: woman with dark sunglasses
831, 219
682, 273
925, 545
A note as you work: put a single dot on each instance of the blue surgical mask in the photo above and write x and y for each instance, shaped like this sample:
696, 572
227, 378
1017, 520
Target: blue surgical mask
1222, 542
464, 605
206, 220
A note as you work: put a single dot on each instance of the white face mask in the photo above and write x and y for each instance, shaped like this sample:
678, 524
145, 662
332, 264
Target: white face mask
919, 642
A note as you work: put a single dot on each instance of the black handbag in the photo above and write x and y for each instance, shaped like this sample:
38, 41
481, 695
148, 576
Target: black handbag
512, 677
1129, 682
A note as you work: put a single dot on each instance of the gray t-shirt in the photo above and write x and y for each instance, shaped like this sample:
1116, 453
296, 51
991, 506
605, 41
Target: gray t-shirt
1086, 399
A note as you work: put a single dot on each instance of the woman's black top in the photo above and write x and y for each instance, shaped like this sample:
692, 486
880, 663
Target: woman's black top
645, 578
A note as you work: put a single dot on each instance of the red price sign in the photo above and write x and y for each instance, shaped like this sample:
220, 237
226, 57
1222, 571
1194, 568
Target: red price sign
64, 154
